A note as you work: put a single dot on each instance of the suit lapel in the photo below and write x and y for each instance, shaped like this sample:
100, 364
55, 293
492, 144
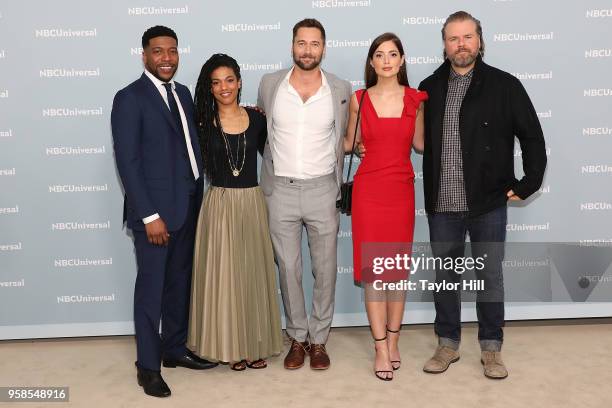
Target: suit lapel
469, 100
336, 95
155, 97
186, 105
270, 107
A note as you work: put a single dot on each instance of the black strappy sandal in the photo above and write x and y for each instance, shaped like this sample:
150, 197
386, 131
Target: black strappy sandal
239, 366
393, 362
378, 372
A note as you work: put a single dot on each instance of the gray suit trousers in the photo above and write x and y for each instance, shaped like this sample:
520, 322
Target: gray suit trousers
292, 204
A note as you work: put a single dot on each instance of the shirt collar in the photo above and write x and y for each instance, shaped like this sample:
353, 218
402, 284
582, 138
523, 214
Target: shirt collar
157, 82
324, 83
455, 76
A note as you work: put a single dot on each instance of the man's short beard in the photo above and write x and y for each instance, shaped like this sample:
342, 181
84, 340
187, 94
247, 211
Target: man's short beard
304, 67
463, 62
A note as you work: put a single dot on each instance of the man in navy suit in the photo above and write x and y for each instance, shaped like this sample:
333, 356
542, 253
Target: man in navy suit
160, 165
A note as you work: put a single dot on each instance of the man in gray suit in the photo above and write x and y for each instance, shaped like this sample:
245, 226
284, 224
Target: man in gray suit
307, 110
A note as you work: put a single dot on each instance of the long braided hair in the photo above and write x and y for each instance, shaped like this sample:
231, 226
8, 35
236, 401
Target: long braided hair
207, 113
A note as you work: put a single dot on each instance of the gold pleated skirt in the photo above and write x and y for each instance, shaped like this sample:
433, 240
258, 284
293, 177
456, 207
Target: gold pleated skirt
234, 312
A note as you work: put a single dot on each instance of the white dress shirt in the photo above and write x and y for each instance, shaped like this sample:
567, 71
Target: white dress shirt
194, 166
303, 142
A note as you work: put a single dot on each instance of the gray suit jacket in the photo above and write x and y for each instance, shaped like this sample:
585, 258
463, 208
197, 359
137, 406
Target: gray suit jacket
341, 94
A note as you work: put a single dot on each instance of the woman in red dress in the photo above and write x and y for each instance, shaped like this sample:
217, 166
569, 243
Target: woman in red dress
391, 123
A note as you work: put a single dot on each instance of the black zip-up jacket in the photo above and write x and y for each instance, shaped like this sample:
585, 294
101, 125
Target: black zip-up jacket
496, 108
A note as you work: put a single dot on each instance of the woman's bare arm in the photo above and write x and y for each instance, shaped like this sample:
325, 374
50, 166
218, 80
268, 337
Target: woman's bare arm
352, 122
418, 141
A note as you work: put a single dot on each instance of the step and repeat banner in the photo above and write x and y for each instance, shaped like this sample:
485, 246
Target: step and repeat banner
67, 265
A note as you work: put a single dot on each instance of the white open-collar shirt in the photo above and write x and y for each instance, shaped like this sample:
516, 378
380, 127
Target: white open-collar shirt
303, 144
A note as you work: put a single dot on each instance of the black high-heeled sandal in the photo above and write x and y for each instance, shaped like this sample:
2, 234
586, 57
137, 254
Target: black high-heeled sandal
378, 372
398, 362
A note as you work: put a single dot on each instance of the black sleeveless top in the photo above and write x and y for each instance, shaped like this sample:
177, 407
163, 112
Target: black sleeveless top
255, 135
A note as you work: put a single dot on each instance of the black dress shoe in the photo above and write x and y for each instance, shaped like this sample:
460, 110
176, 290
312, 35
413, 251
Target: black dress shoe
189, 360
153, 383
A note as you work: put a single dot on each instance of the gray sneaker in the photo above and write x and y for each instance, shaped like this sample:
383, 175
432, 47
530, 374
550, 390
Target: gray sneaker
493, 365
442, 358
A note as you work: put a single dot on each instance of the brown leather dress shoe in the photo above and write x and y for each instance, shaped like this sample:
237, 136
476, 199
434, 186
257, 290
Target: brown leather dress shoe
295, 357
319, 360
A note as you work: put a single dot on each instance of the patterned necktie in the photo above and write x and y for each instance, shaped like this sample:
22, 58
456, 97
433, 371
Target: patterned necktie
174, 107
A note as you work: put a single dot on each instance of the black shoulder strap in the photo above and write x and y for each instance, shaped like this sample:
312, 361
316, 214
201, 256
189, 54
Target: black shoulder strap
348, 174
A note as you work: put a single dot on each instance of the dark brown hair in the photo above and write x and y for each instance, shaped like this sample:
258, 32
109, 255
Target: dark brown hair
309, 23
370, 74
462, 16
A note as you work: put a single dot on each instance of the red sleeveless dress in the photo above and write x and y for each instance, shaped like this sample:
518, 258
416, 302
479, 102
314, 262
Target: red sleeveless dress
383, 190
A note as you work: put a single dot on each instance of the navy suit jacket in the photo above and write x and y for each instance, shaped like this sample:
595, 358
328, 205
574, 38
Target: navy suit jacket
151, 154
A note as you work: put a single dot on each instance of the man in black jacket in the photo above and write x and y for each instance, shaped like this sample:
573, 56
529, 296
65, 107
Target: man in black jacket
472, 117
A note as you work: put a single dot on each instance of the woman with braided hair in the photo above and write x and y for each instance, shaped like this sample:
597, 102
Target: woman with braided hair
234, 315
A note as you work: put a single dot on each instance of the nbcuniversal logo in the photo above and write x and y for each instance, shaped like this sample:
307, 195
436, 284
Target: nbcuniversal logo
65, 33
157, 11
596, 169
597, 92
597, 131
71, 112
599, 206
246, 27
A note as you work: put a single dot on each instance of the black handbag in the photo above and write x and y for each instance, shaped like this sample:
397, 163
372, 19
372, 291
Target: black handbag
346, 188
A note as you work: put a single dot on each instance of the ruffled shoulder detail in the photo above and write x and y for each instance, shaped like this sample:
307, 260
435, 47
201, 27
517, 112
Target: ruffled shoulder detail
416, 96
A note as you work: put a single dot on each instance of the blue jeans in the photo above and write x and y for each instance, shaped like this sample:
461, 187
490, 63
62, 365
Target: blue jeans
447, 232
